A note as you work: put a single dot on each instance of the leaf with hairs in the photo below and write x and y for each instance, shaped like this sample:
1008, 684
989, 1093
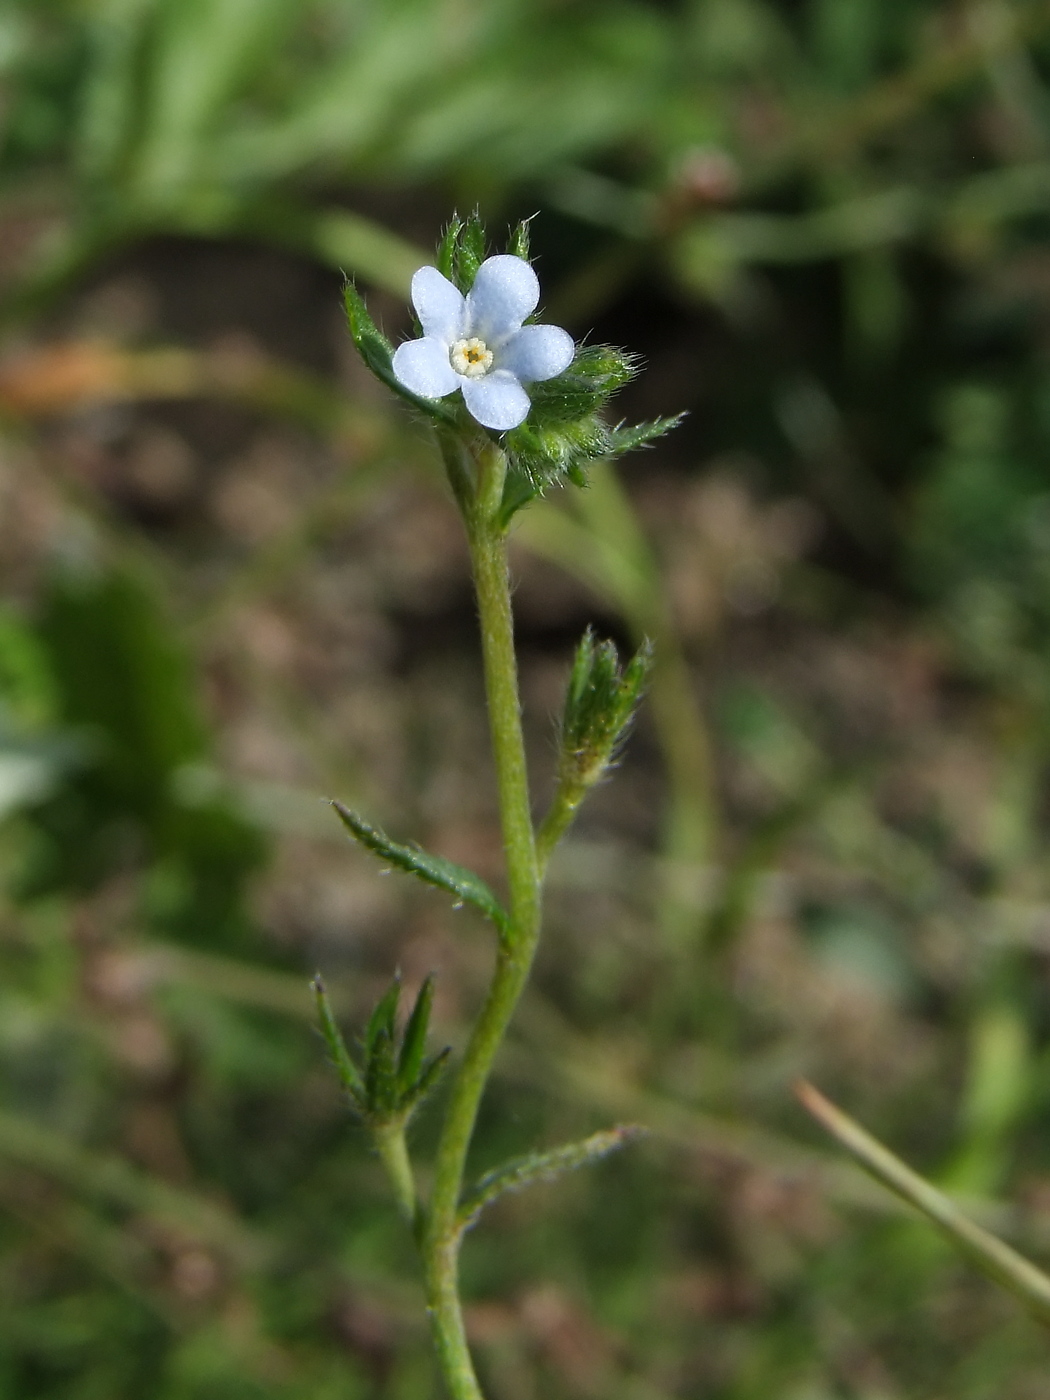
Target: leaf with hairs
378, 353
623, 440
535, 1167
462, 884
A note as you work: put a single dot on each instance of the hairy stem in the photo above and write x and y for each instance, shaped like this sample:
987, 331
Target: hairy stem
441, 1234
393, 1152
555, 824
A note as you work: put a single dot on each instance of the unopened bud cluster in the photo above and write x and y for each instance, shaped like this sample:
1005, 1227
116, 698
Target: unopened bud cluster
395, 1076
599, 704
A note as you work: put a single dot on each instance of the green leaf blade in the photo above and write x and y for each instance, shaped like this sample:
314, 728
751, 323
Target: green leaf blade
623, 439
378, 354
464, 886
535, 1167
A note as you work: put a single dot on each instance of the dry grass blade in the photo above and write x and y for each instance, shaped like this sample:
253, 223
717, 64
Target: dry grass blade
994, 1258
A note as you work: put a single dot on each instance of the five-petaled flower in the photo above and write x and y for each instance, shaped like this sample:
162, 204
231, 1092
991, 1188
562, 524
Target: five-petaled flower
477, 342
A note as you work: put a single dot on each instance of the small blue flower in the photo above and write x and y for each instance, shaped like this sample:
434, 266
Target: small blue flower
477, 342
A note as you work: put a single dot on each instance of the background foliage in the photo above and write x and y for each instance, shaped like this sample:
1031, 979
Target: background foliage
233, 585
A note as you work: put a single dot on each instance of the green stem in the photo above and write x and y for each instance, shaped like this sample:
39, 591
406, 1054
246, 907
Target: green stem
442, 1230
555, 824
393, 1152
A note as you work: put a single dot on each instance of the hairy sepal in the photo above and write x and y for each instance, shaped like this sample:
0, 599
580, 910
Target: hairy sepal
469, 252
349, 1075
394, 1078
446, 253
413, 1042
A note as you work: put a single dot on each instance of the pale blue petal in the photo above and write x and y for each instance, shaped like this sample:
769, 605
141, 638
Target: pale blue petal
423, 367
505, 291
498, 401
439, 305
537, 352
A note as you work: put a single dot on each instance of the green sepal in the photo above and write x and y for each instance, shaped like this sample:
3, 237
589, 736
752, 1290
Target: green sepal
518, 243
538, 457
381, 1078
535, 1167
378, 353
413, 1042
469, 252
596, 373
446, 253
463, 885
429, 1075
344, 1065
383, 1020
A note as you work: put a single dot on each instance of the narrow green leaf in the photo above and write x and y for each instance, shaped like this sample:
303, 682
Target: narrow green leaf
463, 885
525, 1171
200, 56
413, 1044
990, 1254
367, 336
383, 1020
378, 353
521, 487
564, 430
623, 439
115, 34
344, 1065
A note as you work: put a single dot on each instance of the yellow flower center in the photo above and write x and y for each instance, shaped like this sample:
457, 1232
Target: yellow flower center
472, 357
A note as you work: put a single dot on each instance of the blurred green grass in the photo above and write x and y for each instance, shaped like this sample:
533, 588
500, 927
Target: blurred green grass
233, 587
